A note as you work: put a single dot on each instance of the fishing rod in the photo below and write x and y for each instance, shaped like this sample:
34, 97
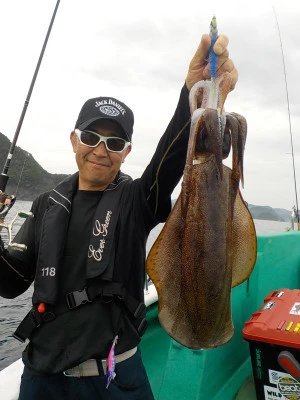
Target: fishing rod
289, 114
4, 176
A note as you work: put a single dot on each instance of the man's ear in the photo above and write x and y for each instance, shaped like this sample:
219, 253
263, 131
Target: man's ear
73, 139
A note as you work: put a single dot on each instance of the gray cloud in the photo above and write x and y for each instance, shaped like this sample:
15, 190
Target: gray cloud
140, 52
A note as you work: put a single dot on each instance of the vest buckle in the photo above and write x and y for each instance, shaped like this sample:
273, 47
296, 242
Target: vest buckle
77, 298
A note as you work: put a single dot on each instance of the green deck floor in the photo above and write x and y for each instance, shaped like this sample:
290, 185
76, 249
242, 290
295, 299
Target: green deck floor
247, 391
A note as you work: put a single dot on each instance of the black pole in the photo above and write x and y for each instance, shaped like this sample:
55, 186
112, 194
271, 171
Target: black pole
4, 177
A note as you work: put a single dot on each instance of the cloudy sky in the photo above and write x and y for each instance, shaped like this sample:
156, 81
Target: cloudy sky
139, 52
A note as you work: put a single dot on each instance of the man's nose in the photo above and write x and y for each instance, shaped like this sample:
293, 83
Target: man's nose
100, 150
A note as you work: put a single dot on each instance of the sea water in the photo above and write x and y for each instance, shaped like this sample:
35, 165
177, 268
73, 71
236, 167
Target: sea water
13, 311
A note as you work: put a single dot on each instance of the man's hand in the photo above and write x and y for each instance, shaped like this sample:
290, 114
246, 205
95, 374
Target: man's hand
6, 202
199, 68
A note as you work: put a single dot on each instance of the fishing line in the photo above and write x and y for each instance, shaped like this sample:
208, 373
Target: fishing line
21, 174
289, 114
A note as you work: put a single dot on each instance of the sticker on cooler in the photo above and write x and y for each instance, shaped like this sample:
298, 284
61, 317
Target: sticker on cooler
268, 306
295, 309
287, 386
272, 393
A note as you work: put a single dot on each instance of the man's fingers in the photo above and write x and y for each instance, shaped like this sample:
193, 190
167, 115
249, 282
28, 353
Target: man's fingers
234, 76
225, 65
220, 48
224, 56
201, 52
199, 68
228, 66
221, 44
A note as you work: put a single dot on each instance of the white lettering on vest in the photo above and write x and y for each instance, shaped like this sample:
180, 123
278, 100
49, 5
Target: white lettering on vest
100, 229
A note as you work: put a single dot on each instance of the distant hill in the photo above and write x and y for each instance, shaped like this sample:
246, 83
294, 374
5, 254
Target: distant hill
266, 213
34, 179
269, 213
285, 214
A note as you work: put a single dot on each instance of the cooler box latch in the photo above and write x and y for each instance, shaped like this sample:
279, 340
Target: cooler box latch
289, 364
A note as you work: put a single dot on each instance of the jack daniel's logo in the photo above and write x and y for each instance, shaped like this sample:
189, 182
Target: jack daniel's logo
110, 107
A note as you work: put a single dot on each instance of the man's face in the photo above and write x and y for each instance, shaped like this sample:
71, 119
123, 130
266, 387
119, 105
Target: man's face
97, 166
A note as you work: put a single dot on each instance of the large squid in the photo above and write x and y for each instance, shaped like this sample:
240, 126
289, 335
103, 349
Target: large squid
208, 244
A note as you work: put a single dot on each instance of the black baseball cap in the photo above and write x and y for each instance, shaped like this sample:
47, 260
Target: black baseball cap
106, 108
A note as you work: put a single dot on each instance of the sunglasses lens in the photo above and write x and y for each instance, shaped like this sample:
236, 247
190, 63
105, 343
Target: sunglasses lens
92, 139
89, 138
115, 144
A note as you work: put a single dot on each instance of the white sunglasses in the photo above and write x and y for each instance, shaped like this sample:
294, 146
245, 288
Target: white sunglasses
93, 139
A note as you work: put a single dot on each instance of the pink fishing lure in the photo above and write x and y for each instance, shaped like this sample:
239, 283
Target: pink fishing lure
111, 363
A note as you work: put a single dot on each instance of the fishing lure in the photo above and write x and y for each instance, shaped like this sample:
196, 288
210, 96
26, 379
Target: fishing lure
111, 363
213, 58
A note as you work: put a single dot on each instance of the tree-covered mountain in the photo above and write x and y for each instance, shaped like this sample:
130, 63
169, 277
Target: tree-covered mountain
269, 213
26, 176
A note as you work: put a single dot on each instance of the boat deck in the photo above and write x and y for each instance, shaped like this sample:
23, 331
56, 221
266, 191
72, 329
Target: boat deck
247, 391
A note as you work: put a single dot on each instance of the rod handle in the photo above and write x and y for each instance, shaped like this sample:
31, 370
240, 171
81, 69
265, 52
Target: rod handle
3, 181
17, 246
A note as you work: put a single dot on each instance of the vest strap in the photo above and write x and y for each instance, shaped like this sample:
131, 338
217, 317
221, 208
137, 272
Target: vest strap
31, 321
104, 291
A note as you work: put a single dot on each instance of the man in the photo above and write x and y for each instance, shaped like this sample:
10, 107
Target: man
86, 253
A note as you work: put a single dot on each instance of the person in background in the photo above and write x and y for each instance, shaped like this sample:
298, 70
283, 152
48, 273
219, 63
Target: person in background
86, 249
